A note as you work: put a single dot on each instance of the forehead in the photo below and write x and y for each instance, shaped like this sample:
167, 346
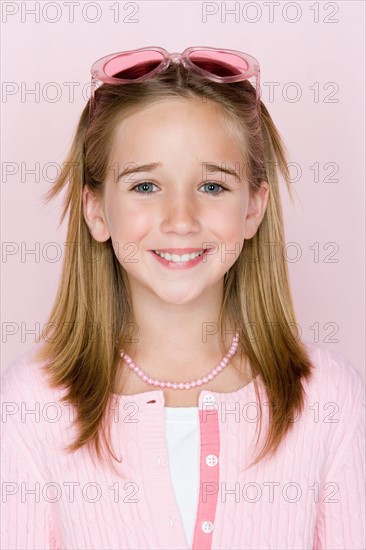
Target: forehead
178, 126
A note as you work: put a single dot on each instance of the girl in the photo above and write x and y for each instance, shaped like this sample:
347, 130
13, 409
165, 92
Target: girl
172, 342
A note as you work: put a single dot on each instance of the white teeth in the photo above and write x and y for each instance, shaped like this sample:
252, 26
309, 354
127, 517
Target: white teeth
177, 258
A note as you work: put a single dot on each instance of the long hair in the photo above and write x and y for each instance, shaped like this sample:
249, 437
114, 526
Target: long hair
92, 315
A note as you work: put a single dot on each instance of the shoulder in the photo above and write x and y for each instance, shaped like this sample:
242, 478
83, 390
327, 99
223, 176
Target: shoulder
24, 380
335, 402
334, 375
335, 448
33, 415
29, 431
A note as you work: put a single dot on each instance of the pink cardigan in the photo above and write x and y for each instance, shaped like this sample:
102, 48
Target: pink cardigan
309, 495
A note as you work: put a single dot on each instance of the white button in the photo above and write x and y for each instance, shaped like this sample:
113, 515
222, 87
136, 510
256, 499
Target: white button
171, 522
211, 460
209, 398
207, 526
158, 460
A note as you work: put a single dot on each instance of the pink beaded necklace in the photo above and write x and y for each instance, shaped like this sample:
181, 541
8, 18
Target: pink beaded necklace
183, 385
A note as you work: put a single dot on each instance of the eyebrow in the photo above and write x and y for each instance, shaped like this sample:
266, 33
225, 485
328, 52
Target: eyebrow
211, 166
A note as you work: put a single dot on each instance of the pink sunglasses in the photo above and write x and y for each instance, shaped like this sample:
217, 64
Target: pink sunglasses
219, 65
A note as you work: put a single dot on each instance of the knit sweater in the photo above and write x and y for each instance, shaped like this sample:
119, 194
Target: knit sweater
309, 495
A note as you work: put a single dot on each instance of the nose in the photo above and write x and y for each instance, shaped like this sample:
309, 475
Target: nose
181, 214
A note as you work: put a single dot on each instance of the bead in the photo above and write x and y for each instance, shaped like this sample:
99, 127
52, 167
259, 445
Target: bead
183, 385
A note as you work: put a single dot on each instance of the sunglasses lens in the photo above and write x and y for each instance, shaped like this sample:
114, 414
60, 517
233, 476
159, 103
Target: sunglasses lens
219, 64
131, 66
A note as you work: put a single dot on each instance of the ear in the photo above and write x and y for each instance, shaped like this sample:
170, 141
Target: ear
94, 215
256, 210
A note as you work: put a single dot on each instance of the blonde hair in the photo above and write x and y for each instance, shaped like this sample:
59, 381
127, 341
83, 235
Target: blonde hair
93, 302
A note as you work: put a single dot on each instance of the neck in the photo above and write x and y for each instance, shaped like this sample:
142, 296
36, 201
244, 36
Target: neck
178, 341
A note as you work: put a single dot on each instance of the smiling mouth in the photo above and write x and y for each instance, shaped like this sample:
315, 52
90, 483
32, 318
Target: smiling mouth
180, 258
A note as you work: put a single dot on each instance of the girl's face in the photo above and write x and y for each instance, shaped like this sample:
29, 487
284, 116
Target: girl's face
178, 202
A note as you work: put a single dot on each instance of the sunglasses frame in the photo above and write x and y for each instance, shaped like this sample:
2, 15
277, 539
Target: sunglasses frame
98, 68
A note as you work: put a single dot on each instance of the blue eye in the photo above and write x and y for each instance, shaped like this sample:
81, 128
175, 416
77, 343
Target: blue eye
145, 184
223, 189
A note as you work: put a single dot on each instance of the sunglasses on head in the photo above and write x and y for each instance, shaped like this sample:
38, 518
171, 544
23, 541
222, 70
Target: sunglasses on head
219, 65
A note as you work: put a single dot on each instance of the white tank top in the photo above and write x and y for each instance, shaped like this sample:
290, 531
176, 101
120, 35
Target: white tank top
182, 437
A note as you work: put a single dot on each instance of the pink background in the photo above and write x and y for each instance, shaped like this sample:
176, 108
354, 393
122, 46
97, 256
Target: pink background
313, 48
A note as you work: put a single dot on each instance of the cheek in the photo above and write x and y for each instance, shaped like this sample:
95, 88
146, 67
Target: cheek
129, 224
228, 221
229, 229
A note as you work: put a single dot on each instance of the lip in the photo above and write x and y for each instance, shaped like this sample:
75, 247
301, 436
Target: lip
180, 265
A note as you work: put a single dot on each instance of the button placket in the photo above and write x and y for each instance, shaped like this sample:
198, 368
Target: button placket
209, 472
